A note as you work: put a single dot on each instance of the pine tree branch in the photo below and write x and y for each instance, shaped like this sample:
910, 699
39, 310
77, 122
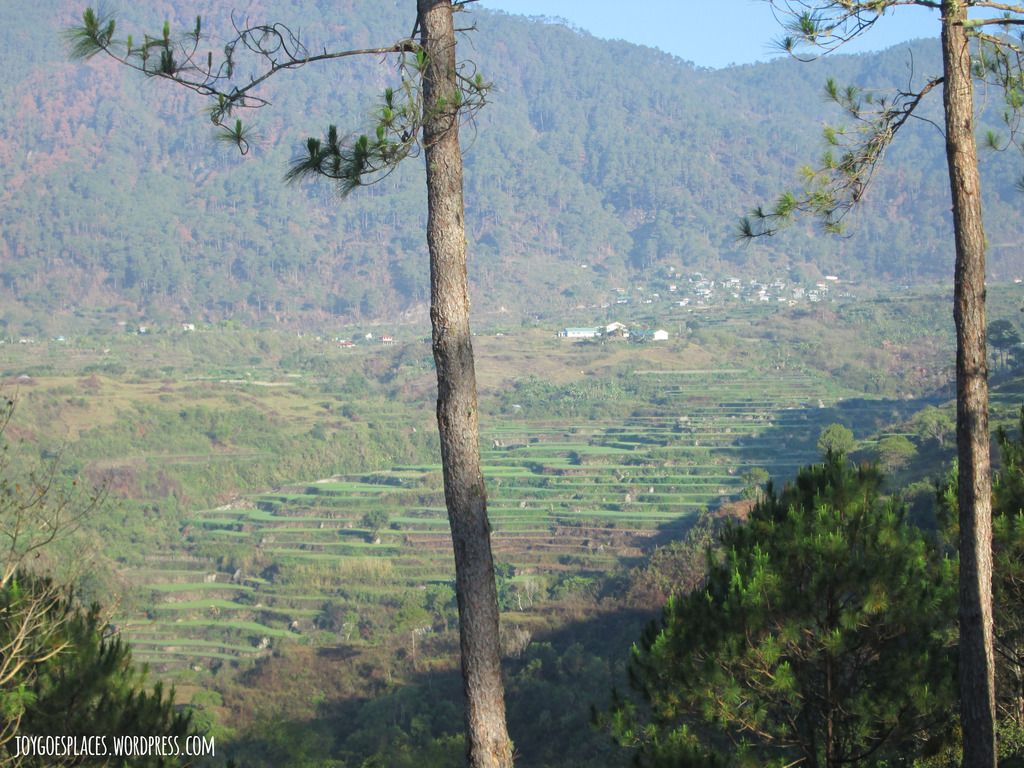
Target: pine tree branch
351, 164
1007, 7
179, 60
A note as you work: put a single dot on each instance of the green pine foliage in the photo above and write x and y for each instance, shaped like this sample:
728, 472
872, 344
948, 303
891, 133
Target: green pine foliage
1008, 578
1007, 592
79, 679
821, 637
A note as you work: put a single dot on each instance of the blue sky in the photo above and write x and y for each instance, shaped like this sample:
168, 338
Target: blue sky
710, 33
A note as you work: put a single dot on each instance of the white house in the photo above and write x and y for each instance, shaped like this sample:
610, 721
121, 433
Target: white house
660, 335
580, 333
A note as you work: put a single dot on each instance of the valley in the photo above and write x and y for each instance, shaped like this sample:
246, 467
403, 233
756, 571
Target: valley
273, 498
719, 466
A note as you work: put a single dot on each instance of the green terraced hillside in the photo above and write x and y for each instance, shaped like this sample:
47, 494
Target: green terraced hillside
569, 499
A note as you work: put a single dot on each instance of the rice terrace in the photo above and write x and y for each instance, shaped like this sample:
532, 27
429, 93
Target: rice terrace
571, 500
420, 384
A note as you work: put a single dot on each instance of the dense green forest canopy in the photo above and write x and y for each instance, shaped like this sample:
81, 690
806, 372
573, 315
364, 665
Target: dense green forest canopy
605, 154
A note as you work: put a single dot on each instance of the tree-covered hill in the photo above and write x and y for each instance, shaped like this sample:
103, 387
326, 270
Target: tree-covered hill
115, 202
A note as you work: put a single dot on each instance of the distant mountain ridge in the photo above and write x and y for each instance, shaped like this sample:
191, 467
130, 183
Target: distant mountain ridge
115, 203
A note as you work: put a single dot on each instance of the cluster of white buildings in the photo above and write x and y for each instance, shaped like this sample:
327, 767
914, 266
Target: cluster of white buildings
614, 330
696, 290
701, 291
387, 340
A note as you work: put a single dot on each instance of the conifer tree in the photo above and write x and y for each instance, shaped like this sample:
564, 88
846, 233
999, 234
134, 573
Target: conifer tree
822, 637
81, 682
436, 92
62, 673
1008, 580
979, 39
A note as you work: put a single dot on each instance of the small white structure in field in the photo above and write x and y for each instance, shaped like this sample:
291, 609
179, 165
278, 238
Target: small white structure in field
660, 335
580, 333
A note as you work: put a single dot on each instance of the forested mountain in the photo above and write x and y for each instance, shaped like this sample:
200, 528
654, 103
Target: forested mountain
116, 203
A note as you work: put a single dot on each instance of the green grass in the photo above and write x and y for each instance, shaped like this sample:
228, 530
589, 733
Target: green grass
200, 586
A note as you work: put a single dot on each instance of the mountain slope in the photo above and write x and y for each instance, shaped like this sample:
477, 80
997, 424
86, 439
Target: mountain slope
114, 197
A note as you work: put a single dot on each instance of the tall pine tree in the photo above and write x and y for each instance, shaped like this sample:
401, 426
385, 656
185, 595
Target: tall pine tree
821, 638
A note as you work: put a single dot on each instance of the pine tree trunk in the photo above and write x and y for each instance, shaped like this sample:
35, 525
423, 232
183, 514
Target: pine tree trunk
488, 745
977, 661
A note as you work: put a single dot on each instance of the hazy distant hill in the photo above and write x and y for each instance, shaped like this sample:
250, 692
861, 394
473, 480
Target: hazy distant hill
113, 197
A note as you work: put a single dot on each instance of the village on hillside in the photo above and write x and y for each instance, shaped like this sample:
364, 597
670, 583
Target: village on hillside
666, 289
698, 292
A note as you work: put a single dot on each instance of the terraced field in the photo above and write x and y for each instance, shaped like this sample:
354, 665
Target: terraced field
568, 498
